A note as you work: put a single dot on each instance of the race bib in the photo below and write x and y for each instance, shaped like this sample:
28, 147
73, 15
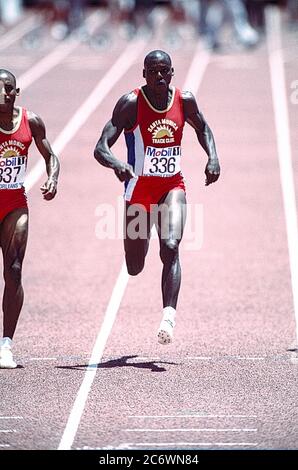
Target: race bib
12, 172
162, 161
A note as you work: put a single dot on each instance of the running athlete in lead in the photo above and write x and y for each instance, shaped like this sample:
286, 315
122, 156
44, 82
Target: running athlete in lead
17, 128
152, 118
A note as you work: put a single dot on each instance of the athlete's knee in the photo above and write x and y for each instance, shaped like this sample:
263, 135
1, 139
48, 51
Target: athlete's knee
169, 250
13, 272
134, 266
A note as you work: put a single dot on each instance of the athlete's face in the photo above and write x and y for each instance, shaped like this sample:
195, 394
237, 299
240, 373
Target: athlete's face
8, 92
158, 74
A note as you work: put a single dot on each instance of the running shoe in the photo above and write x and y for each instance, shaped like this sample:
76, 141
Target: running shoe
6, 359
166, 328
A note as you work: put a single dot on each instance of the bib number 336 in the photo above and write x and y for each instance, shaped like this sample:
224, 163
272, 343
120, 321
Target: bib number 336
162, 161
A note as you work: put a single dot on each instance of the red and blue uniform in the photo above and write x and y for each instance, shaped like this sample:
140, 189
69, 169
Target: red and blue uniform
14, 146
154, 150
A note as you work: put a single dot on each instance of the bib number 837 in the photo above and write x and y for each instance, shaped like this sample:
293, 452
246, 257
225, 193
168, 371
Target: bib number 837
9, 174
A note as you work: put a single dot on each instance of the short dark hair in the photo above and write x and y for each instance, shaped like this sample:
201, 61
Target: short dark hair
7, 72
157, 54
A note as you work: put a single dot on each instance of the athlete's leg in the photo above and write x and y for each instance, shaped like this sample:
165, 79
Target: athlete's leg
172, 215
136, 237
13, 240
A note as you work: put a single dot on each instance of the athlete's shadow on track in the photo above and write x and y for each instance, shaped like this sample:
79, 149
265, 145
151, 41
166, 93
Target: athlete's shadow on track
122, 362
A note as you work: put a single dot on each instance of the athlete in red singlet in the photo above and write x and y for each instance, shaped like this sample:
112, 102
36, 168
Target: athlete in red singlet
17, 128
154, 150
152, 118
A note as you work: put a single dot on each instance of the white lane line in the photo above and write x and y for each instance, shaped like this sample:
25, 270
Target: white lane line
197, 69
57, 55
102, 89
204, 358
19, 31
200, 358
184, 444
79, 404
193, 430
193, 416
243, 358
4, 445
118, 69
58, 358
6, 431
278, 84
11, 417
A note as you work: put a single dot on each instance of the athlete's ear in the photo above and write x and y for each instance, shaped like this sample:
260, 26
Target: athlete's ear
144, 73
17, 91
172, 72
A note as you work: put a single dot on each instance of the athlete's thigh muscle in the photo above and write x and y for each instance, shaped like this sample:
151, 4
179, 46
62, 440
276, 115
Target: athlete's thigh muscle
14, 234
171, 216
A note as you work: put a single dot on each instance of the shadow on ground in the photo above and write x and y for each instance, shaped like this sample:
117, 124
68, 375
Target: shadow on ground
154, 366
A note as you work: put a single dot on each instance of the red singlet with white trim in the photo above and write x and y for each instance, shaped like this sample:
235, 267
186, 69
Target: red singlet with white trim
154, 150
14, 146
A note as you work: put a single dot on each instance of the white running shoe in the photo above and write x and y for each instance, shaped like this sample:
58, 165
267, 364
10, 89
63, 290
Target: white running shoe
6, 359
165, 332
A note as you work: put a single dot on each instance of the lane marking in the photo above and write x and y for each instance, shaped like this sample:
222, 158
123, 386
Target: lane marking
11, 417
58, 358
158, 359
193, 430
79, 404
197, 69
193, 416
235, 358
57, 55
182, 359
4, 445
19, 31
243, 358
178, 444
281, 116
6, 431
118, 69
96, 96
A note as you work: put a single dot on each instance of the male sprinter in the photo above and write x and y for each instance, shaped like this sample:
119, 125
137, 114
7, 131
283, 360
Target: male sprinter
152, 118
17, 128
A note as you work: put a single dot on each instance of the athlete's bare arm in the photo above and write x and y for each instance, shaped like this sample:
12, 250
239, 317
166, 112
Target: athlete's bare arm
124, 117
38, 130
196, 119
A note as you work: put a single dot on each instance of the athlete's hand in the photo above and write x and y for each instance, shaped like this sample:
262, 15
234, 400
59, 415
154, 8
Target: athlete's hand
124, 172
212, 172
49, 189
